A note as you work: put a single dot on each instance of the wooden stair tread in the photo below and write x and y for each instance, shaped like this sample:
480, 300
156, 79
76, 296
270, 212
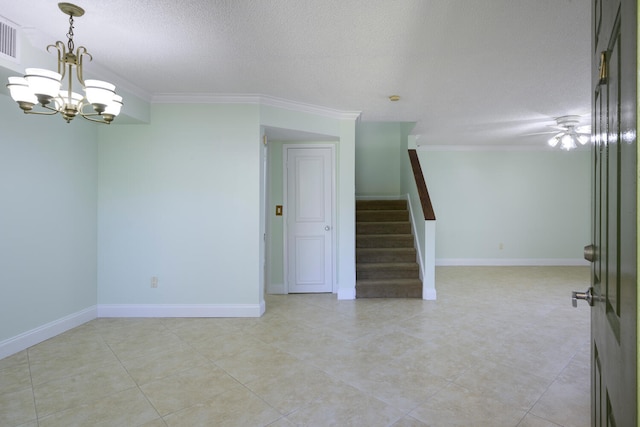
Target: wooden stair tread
381, 204
386, 265
383, 282
407, 249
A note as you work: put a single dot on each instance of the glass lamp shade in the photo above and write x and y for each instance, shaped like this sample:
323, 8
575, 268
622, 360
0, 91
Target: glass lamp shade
99, 92
114, 106
554, 140
20, 90
63, 100
43, 83
568, 142
583, 139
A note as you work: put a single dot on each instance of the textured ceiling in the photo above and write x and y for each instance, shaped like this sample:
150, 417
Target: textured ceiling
469, 72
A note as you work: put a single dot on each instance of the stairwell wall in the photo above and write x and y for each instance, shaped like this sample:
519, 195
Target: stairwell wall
378, 173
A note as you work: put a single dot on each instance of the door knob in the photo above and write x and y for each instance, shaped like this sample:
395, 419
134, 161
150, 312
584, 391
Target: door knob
587, 296
327, 228
590, 253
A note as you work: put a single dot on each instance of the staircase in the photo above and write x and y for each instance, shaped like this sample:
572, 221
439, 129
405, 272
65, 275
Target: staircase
386, 264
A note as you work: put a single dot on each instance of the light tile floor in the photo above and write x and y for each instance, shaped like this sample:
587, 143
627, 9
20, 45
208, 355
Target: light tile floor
500, 347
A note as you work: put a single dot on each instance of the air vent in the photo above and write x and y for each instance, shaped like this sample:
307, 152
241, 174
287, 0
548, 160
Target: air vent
8, 40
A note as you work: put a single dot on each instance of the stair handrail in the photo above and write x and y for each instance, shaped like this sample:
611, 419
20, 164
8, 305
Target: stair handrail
423, 192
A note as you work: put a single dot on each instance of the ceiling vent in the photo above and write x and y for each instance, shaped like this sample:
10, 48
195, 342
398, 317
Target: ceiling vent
8, 40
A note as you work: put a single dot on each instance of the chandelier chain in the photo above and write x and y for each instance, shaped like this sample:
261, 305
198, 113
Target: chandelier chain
70, 44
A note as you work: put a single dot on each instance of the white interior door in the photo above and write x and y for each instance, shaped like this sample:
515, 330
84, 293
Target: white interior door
309, 219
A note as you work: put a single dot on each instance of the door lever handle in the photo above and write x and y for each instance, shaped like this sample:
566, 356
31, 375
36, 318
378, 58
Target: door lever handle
587, 296
590, 253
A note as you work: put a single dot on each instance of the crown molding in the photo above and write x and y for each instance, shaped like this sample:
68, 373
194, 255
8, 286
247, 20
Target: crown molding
254, 99
205, 98
286, 104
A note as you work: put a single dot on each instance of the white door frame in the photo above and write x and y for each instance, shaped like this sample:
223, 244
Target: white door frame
285, 198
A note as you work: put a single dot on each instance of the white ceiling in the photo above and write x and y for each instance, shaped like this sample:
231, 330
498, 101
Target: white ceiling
469, 72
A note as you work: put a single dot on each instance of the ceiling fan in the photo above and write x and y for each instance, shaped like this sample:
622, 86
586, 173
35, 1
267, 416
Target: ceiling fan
570, 134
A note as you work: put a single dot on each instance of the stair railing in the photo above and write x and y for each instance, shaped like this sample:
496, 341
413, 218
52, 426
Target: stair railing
424, 229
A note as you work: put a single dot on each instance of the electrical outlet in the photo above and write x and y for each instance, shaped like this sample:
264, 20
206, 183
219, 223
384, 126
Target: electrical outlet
154, 282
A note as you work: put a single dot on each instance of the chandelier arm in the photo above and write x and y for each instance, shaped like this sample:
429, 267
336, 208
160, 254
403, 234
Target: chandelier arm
62, 54
104, 119
43, 113
90, 117
80, 52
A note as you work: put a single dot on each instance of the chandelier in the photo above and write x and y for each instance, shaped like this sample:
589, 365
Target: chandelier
571, 134
42, 89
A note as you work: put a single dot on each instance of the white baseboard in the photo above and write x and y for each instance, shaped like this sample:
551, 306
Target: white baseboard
48, 330
346, 294
181, 310
512, 262
276, 289
429, 294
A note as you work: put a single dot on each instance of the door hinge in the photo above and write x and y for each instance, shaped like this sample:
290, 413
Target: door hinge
603, 72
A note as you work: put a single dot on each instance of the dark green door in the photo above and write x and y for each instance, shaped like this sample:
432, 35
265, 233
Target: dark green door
614, 274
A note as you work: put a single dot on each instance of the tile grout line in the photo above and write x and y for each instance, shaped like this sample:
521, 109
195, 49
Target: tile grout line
33, 392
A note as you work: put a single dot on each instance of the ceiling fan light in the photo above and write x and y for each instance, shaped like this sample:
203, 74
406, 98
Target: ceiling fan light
45, 84
583, 139
568, 142
20, 91
553, 141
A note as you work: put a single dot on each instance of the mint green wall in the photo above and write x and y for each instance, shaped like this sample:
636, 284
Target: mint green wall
48, 189
346, 207
286, 118
377, 155
275, 228
536, 203
180, 199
